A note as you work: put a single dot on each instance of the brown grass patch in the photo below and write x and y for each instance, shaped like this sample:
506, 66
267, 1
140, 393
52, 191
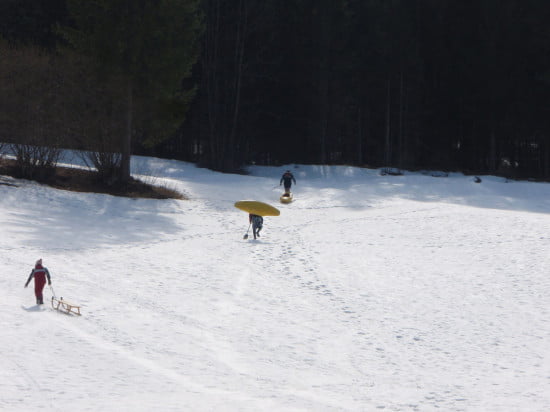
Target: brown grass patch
82, 180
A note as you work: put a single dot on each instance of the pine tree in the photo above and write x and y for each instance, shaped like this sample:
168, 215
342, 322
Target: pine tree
150, 46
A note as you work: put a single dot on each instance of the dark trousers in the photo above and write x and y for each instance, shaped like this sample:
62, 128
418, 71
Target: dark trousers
256, 230
38, 288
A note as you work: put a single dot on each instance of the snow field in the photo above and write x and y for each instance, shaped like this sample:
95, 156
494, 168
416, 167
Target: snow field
369, 292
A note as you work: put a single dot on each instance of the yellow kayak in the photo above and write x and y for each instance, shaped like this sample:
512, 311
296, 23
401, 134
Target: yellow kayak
257, 208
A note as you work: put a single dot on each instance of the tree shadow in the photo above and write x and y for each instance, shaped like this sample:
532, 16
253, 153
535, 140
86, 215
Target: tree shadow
68, 220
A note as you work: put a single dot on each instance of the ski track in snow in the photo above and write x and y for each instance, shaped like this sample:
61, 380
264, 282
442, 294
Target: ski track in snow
360, 296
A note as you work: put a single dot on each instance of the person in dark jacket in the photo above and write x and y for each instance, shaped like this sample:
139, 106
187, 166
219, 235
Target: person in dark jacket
287, 179
40, 274
257, 224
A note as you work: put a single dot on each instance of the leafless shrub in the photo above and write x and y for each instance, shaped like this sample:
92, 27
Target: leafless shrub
107, 164
30, 86
51, 101
35, 162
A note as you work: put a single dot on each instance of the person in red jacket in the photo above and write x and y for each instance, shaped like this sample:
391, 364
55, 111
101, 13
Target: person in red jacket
40, 274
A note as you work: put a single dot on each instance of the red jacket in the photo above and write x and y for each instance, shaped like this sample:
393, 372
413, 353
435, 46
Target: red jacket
40, 273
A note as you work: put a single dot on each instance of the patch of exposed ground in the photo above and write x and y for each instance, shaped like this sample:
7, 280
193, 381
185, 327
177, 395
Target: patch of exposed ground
83, 180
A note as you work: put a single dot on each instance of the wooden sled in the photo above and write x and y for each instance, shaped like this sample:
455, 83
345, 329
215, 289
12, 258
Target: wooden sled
63, 305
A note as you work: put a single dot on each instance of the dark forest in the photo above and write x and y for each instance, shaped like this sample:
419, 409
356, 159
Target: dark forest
455, 85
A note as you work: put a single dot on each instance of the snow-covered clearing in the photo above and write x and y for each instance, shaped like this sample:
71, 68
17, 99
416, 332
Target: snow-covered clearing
369, 292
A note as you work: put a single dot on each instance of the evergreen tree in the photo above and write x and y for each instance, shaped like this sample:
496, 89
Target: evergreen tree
31, 22
150, 46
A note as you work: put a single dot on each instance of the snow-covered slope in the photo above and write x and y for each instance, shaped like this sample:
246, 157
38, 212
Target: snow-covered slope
369, 292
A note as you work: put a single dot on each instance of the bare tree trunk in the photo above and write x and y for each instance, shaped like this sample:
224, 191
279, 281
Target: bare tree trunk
127, 139
387, 149
359, 137
239, 57
211, 49
223, 84
493, 153
324, 74
545, 159
401, 139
